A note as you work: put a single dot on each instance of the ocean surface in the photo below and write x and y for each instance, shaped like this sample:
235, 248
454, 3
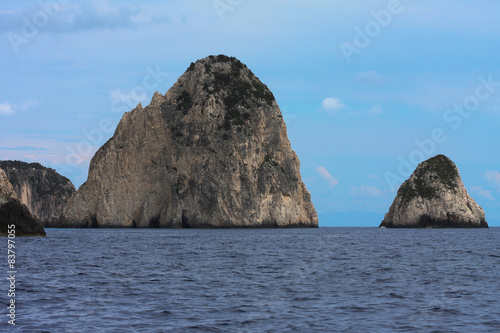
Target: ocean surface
269, 280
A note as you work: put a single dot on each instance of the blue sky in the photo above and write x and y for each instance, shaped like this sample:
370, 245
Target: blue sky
368, 88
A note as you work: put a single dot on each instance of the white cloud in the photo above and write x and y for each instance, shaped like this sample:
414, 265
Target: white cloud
85, 115
23, 106
326, 175
119, 96
332, 104
6, 109
376, 110
126, 101
366, 191
288, 117
481, 192
86, 15
102, 14
493, 177
370, 77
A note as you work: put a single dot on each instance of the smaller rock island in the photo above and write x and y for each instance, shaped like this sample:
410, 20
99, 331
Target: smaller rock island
434, 197
12, 211
43, 190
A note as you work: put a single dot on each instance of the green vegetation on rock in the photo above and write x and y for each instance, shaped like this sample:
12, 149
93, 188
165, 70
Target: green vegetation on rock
438, 168
443, 168
237, 91
184, 102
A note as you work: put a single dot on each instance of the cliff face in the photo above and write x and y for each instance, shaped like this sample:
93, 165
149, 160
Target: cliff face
212, 152
434, 196
42, 190
12, 211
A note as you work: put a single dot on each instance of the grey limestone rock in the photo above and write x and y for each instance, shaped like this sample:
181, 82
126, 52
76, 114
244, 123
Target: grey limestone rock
13, 212
212, 152
41, 189
434, 197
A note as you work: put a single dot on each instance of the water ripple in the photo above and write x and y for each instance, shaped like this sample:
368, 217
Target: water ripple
324, 280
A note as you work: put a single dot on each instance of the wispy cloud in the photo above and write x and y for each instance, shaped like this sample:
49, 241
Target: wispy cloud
125, 101
323, 172
117, 96
481, 192
366, 191
332, 105
370, 77
376, 110
81, 16
287, 116
24, 148
8, 109
493, 177
100, 15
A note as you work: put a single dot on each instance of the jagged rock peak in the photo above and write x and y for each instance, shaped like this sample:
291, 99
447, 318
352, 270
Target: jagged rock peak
157, 99
434, 197
13, 212
41, 189
212, 152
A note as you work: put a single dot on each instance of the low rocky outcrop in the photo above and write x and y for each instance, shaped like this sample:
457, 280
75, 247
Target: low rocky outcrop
434, 197
212, 152
41, 189
13, 212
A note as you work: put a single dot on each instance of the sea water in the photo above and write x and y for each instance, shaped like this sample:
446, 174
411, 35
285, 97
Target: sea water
257, 280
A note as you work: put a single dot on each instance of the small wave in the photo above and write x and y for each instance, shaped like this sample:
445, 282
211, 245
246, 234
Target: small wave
393, 295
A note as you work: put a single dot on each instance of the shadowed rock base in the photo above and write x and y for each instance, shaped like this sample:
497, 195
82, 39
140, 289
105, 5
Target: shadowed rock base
184, 224
427, 221
14, 212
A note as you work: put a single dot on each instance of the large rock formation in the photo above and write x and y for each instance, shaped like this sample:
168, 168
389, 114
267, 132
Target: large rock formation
41, 189
434, 196
13, 212
212, 152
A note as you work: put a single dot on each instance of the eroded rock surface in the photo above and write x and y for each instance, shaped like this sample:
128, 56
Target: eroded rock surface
41, 189
212, 152
13, 212
434, 196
